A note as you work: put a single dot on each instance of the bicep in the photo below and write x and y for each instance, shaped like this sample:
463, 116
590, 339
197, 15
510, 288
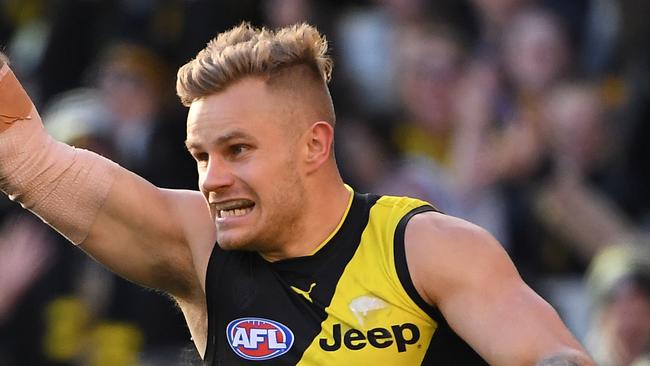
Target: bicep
141, 233
508, 323
469, 277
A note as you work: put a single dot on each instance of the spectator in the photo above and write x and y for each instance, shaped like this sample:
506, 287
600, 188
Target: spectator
577, 203
431, 66
619, 280
500, 142
366, 38
145, 130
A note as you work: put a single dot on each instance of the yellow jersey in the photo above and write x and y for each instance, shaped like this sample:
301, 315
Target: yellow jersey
351, 302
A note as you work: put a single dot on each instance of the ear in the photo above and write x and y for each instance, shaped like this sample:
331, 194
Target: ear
319, 145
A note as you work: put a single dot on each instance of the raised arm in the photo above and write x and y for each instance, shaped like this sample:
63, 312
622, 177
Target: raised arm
137, 230
463, 270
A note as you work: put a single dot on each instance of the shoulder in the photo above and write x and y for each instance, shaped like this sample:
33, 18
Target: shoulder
399, 209
446, 230
447, 254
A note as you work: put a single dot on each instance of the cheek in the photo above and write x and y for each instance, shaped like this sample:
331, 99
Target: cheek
281, 184
201, 181
205, 197
266, 171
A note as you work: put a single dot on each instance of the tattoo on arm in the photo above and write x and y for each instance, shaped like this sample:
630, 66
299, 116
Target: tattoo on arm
563, 359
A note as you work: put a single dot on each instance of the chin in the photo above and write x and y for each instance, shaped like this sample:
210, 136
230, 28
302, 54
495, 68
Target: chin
226, 244
230, 242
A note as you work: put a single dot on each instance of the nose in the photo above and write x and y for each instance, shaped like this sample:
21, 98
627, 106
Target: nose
217, 176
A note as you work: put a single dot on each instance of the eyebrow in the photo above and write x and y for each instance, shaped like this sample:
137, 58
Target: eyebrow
221, 140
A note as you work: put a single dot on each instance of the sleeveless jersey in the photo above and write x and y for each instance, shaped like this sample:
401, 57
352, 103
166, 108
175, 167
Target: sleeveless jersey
351, 302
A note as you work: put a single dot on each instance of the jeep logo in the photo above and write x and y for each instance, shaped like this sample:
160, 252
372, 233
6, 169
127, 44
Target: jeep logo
354, 339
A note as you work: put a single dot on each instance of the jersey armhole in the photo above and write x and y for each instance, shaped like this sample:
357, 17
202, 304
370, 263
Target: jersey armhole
210, 278
401, 265
448, 348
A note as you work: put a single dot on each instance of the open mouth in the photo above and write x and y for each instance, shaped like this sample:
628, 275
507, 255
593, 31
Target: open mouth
234, 208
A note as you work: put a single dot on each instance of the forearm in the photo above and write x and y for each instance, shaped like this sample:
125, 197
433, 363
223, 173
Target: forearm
94, 202
62, 185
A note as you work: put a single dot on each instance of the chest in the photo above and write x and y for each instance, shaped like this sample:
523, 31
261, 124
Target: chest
324, 312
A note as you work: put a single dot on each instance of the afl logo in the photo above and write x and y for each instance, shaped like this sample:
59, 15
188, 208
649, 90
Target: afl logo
258, 339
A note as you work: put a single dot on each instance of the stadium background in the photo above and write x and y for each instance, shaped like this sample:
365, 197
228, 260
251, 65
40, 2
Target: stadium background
530, 118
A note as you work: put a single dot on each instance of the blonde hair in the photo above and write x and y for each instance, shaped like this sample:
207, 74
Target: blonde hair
249, 51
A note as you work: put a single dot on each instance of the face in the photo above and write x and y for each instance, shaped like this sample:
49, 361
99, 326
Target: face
627, 321
498, 11
575, 117
535, 51
248, 163
128, 95
428, 79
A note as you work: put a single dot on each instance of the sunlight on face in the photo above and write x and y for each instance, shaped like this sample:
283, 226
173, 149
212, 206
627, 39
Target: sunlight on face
247, 157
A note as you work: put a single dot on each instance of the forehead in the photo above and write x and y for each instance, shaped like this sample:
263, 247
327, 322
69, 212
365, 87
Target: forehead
535, 27
247, 106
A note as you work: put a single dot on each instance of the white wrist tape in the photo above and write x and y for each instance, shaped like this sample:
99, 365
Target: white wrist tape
64, 186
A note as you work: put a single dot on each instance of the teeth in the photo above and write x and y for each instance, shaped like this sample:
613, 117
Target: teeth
234, 212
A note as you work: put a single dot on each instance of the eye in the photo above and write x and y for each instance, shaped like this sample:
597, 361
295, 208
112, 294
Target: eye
238, 149
201, 158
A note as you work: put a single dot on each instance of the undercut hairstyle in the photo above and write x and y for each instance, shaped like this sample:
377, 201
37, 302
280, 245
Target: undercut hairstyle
248, 51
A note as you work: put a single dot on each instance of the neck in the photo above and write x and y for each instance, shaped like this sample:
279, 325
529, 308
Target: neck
325, 208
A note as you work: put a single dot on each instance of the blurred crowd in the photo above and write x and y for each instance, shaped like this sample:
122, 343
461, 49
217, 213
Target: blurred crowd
530, 118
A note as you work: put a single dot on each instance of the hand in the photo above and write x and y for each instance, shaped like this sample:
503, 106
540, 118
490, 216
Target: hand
476, 95
26, 251
15, 104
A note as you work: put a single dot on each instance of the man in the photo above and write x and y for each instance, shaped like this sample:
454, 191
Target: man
306, 271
